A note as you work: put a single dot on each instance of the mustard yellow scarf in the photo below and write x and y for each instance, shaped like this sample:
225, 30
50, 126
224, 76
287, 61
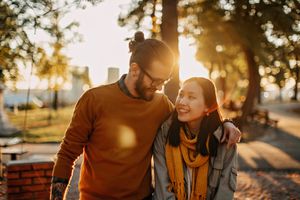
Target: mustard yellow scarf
198, 163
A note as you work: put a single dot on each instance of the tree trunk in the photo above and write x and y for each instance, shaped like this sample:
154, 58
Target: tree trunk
211, 69
259, 89
223, 79
55, 100
49, 108
154, 29
259, 100
169, 34
253, 87
296, 80
280, 95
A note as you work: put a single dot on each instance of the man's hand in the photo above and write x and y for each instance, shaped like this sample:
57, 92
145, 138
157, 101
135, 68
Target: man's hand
232, 134
58, 191
58, 188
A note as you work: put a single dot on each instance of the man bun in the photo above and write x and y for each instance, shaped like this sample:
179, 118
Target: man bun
137, 39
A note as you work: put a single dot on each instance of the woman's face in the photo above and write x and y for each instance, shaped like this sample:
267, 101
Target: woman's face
190, 103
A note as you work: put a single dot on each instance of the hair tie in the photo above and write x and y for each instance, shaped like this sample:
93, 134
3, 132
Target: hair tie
138, 38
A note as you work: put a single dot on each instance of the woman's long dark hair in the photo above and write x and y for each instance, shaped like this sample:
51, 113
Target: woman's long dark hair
209, 124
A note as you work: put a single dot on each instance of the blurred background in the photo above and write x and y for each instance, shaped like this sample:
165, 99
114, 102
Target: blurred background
51, 51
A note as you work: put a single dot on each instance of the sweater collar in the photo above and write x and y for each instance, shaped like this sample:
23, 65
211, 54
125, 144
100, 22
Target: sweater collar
123, 87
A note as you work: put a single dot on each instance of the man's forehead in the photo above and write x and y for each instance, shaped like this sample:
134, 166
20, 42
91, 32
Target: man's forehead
160, 69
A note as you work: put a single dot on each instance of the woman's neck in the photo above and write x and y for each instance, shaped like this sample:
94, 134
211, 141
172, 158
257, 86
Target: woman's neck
194, 126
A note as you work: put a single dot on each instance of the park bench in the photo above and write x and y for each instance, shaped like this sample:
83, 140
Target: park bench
6, 149
13, 152
6, 142
262, 116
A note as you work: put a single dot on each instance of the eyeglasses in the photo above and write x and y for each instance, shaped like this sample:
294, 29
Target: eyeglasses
155, 81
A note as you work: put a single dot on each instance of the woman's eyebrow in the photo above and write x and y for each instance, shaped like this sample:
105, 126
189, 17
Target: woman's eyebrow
188, 92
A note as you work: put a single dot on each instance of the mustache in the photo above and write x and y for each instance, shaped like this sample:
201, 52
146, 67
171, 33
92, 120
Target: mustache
152, 89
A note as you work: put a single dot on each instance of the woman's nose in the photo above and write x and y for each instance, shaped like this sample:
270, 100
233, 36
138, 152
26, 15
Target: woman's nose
182, 101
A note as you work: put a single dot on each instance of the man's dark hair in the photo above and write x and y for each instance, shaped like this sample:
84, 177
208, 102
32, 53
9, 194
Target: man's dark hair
145, 51
209, 123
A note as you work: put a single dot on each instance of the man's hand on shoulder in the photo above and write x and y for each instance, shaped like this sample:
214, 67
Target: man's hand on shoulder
231, 135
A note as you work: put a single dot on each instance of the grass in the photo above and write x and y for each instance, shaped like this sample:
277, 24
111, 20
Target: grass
38, 126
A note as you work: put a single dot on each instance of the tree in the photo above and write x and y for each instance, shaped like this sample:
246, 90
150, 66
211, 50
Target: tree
15, 46
262, 17
56, 67
169, 34
250, 24
296, 72
17, 19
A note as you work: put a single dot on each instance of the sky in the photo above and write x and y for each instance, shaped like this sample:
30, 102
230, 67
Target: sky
104, 45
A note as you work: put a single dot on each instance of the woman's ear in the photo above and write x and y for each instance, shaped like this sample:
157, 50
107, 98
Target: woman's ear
206, 111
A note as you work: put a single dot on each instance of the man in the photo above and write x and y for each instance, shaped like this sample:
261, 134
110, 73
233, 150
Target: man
115, 125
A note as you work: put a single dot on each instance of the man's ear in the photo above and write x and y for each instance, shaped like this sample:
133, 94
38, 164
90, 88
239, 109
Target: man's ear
134, 69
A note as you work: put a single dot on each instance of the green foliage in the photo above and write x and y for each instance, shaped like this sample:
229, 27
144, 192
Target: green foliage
14, 42
55, 67
262, 27
135, 14
18, 18
221, 30
254, 25
138, 12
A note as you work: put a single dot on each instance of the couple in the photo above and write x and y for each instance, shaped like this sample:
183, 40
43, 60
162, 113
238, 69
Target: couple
115, 126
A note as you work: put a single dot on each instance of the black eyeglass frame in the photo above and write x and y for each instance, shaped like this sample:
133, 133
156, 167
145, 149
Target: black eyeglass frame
155, 81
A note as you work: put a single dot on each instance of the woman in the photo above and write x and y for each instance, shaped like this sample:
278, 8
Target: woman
189, 160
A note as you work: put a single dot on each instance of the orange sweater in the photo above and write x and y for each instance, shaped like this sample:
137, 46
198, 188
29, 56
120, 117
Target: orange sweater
115, 134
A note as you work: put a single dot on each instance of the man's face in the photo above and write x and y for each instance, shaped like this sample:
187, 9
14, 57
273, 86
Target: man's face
152, 79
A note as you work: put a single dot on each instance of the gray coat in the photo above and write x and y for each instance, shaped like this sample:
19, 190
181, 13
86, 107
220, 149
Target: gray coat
222, 172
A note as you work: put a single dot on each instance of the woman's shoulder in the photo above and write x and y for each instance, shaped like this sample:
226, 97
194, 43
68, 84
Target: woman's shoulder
227, 150
167, 123
226, 154
222, 147
164, 128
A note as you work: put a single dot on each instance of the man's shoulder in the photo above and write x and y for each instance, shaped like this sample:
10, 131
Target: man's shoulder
162, 97
97, 94
163, 104
101, 89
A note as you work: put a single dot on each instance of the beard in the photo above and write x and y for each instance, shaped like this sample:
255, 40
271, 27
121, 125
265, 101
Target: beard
144, 92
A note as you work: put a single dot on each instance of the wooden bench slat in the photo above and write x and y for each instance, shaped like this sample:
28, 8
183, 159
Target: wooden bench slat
5, 142
13, 152
17, 151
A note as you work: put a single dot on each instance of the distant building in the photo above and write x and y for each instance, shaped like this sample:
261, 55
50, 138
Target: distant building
112, 75
79, 82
